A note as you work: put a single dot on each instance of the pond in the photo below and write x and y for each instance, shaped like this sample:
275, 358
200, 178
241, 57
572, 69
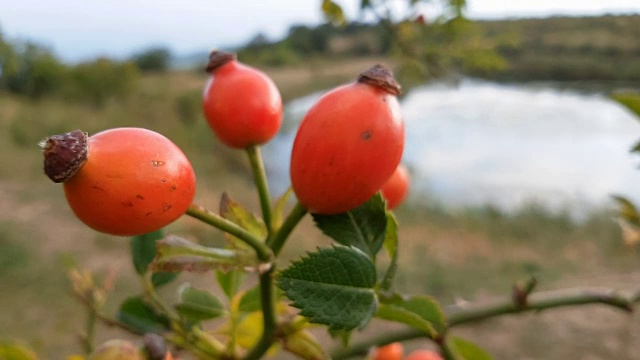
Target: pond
478, 143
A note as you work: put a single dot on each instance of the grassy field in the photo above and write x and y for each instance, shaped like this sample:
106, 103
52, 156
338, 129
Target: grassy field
455, 255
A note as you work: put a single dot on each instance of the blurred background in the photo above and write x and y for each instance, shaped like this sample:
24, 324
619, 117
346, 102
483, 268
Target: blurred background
519, 119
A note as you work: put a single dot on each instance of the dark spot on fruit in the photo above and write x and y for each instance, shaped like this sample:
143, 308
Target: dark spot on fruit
164, 180
147, 214
165, 207
96, 187
366, 135
127, 203
173, 188
140, 197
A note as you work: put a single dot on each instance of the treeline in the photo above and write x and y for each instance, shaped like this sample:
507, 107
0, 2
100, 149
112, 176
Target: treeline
34, 71
324, 41
569, 48
556, 48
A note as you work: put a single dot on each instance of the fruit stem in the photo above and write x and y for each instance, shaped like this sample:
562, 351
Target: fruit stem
267, 299
260, 179
280, 237
215, 220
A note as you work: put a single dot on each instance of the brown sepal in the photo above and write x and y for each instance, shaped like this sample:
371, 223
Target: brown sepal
381, 77
218, 58
64, 154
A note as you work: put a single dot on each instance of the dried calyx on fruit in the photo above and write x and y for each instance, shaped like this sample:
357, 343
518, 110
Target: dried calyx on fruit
64, 154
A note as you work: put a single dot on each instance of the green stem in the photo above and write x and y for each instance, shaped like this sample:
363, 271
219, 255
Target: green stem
474, 313
276, 242
260, 179
89, 336
267, 298
213, 219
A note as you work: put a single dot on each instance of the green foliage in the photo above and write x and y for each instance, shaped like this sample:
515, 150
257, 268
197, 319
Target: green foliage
177, 254
391, 246
627, 211
333, 287
238, 214
138, 316
333, 12
102, 80
250, 300
189, 107
629, 99
363, 227
229, 281
466, 350
420, 312
197, 305
15, 351
31, 70
155, 59
143, 251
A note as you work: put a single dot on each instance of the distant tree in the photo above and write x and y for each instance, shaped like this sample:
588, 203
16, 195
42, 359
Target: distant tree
307, 40
30, 69
155, 59
101, 80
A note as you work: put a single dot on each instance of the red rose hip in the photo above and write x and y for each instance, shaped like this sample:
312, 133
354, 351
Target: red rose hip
348, 144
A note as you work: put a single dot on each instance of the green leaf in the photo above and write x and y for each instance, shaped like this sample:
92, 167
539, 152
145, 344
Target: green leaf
15, 351
333, 287
239, 215
391, 246
343, 336
250, 300
229, 281
636, 147
140, 317
333, 12
162, 278
177, 254
467, 350
143, 250
363, 227
420, 312
626, 210
277, 215
197, 305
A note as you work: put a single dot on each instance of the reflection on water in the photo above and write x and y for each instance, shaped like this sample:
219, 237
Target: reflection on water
481, 142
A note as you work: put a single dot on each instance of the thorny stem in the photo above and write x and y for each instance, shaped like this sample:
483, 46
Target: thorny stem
276, 242
460, 315
260, 179
215, 220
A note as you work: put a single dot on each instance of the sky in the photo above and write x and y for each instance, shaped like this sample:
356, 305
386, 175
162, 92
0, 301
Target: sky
78, 30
